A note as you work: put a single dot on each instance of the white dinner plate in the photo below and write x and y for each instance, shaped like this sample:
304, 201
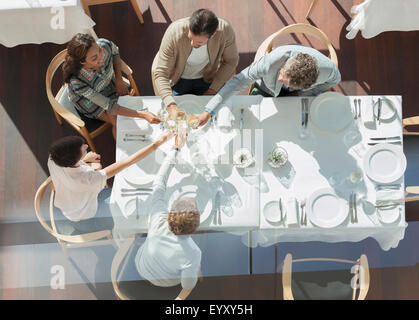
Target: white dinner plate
325, 209
389, 215
384, 163
204, 200
272, 212
331, 111
388, 110
141, 173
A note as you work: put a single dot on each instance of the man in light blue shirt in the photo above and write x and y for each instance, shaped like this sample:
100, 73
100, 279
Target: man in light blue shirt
289, 68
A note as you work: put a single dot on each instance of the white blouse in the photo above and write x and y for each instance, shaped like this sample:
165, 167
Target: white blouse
76, 189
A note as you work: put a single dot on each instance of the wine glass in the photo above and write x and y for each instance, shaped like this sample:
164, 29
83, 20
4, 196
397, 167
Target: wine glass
193, 121
356, 176
163, 115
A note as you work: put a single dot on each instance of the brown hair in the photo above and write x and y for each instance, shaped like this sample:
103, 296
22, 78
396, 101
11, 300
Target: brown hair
302, 71
76, 54
66, 152
184, 217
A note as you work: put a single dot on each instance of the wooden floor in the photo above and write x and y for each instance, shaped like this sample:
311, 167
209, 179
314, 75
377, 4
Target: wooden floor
386, 64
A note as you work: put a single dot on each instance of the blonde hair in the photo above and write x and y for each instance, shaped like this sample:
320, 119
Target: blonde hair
301, 70
184, 217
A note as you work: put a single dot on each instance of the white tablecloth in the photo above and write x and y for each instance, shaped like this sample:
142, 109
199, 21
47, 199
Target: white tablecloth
241, 186
376, 16
314, 161
39, 21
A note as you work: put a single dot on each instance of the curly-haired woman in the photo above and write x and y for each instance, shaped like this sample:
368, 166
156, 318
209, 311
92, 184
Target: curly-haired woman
92, 70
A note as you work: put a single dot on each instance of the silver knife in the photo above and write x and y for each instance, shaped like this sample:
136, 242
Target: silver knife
135, 135
280, 207
136, 139
351, 209
386, 138
393, 204
359, 108
306, 112
135, 194
302, 113
136, 189
356, 109
392, 142
379, 110
241, 119
356, 213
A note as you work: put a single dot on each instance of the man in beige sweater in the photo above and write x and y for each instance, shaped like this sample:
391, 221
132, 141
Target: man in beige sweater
197, 56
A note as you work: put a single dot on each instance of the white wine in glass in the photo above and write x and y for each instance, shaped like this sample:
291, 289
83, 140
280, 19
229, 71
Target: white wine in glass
356, 176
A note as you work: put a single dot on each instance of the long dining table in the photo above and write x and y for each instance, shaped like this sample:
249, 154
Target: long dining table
322, 160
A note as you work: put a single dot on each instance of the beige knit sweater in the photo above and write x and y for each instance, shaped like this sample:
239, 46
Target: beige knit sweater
175, 49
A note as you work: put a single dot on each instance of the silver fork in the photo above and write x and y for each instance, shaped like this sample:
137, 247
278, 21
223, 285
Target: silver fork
356, 109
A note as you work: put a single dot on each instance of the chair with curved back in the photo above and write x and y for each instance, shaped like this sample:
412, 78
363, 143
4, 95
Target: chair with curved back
128, 284
66, 241
64, 109
311, 8
267, 45
411, 151
338, 283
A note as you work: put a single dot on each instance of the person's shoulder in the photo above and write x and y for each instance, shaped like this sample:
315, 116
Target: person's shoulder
224, 26
178, 28
104, 43
223, 23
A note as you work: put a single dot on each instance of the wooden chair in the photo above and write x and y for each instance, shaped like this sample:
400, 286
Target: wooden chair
267, 44
66, 110
87, 3
412, 191
308, 288
411, 151
138, 289
311, 8
411, 121
66, 241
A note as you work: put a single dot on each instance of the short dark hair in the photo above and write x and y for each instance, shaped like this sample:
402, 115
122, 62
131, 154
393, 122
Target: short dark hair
66, 152
203, 22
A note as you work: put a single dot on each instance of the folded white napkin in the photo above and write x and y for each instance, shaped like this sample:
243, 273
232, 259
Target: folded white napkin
292, 213
389, 196
367, 113
225, 117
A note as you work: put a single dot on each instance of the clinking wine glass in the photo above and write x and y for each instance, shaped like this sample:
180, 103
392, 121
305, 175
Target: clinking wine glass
193, 121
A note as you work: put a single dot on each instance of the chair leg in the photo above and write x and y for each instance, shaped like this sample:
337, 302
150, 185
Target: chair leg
88, 138
137, 11
312, 5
